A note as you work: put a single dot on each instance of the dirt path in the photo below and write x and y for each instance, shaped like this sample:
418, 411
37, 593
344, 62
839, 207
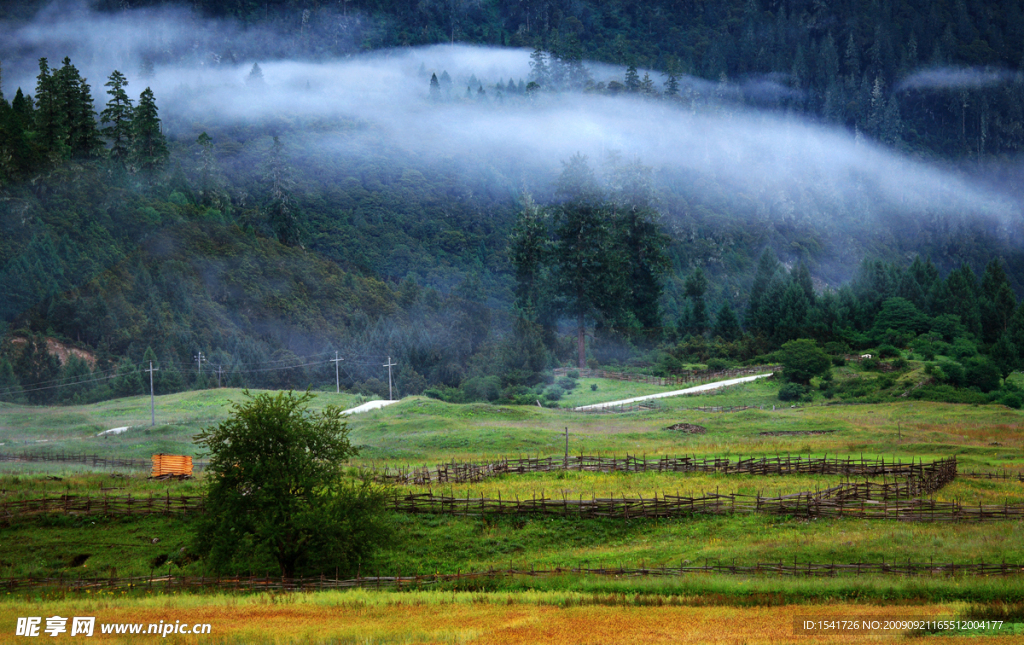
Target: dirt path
662, 395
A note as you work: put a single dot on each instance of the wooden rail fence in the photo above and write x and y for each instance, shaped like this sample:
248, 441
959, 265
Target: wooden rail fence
96, 461
465, 472
413, 582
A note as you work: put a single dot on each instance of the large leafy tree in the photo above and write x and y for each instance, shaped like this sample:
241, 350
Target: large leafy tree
276, 490
802, 360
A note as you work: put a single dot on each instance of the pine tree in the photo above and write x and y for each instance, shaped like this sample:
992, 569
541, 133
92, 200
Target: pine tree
671, 84
83, 137
540, 72
10, 388
435, 87
149, 147
118, 114
50, 127
255, 78
632, 79
727, 325
586, 272
695, 286
281, 213
128, 381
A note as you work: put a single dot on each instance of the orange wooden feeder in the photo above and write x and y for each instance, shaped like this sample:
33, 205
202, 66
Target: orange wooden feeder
171, 465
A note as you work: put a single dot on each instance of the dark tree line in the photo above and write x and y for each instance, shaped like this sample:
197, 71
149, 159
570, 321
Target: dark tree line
60, 124
591, 258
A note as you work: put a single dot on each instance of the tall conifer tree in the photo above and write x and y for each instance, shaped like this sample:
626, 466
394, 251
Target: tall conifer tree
118, 114
149, 147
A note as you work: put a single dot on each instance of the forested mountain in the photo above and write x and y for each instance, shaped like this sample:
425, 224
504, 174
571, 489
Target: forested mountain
254, 181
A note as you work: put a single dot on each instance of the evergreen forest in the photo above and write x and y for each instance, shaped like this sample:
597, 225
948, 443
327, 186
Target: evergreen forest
292, 194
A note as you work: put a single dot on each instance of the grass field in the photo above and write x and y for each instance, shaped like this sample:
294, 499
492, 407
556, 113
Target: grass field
572, 608
504, 617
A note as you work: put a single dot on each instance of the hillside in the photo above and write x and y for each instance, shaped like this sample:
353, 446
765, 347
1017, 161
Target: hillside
319, 194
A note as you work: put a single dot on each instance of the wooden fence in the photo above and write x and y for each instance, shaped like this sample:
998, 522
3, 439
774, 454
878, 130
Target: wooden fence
690, 378
76, 458
103, 505
1000, 475
465, 472
96, 461
831, 503
414, 582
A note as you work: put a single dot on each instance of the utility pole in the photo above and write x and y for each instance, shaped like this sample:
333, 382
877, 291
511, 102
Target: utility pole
337, 378
200, 359
567, 448
389, 365
218, 375
152, 403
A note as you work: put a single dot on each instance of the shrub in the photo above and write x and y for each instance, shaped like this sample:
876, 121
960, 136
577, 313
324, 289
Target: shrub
963, 348
982, 373
792, 392
567, 383
837, 348
952, 373
888, 351
593, 387
900, 364
482, 388
553, 393
839, 361
718, 364
1012, 400
870, 364
802, 360
573, 374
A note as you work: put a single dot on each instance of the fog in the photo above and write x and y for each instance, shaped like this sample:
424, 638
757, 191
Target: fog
951, 78
771, 162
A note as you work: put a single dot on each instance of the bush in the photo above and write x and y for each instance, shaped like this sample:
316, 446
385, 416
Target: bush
553, 393
573, 374
951, 373
1012, 400
718, 364
982, 373
839, 361
963, 348
593, 387
888, 351
837, 348
567, 383
802, 360
482, 388
900, 364
792, 392
870, 364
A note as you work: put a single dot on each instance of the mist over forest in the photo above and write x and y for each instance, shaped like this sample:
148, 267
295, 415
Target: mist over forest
371, 178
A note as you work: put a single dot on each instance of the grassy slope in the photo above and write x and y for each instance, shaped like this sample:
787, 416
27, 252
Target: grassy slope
74, 428
424, 431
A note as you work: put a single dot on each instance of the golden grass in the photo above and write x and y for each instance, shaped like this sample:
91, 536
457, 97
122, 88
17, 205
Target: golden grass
460, 617
575, 484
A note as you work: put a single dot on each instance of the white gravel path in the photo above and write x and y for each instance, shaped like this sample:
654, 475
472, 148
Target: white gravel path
663, 395
366, 407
